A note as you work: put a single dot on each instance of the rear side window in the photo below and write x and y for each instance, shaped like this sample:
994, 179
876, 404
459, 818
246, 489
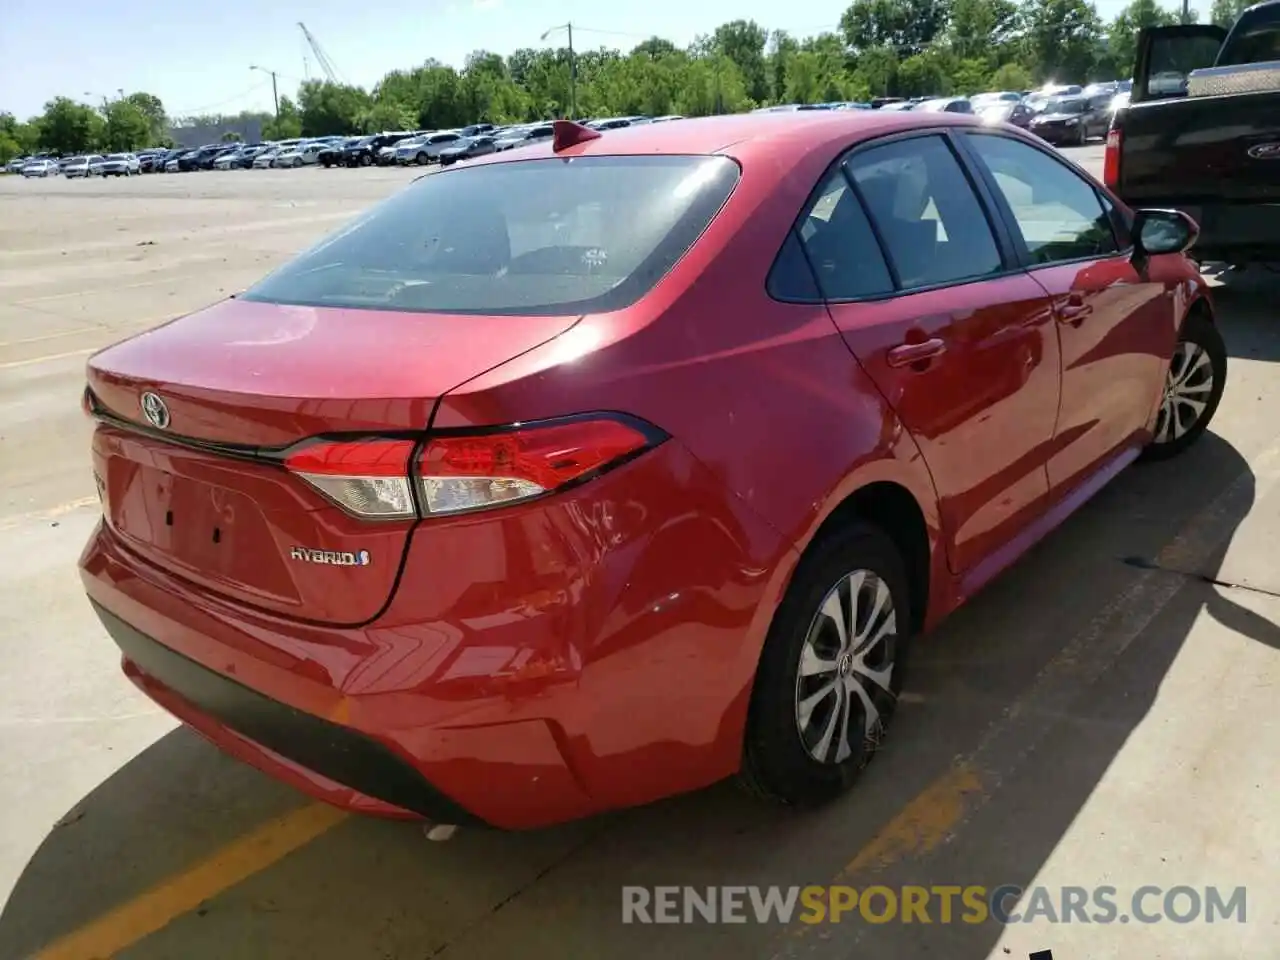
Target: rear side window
841, 245
926, 212
543, 237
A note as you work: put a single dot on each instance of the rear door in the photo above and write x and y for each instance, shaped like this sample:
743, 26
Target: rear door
962, 345
1116, 324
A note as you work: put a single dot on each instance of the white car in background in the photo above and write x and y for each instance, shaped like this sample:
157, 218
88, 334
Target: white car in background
427, 148
81, 166
266, 158
116, 165
40, 168
304, 154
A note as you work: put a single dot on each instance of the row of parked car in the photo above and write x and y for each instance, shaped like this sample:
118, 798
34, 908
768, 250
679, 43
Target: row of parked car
1063, 114
397, 147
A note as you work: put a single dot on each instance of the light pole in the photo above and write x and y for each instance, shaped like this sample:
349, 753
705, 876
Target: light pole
573, 69
275, 95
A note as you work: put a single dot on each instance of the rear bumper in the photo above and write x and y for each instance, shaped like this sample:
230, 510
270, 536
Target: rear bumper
590, 651
223, 709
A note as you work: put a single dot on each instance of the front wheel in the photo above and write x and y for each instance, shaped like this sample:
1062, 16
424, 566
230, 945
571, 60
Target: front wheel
831, 669
1192, 388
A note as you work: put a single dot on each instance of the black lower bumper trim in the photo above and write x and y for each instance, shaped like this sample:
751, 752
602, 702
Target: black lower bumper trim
330, 749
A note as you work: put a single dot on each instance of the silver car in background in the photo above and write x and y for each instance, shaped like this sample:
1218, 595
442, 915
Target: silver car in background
40, 168
116, 165
80, 166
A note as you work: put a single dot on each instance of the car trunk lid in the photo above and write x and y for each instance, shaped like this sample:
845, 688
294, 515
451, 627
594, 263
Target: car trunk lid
203, 491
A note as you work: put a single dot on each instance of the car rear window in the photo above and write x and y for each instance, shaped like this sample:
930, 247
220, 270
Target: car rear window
536, 237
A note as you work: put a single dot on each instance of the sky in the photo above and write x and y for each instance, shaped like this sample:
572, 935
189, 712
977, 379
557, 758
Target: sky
196, 56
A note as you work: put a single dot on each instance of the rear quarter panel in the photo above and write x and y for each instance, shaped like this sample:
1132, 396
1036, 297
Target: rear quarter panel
765, 394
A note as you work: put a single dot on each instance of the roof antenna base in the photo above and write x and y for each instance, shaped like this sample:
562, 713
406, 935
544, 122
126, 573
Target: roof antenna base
567, 133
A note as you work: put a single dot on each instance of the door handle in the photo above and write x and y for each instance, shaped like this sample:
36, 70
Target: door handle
908, 354
1074, 310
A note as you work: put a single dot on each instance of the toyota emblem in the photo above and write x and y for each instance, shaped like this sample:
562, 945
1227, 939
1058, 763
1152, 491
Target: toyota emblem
154, 409
1265, 151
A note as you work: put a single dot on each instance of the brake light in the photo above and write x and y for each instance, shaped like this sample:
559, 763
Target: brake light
367, 478
373, 479
461, 473
1111, 160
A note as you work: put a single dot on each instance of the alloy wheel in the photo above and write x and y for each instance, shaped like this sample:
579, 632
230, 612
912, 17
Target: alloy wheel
844, 683
1188, 387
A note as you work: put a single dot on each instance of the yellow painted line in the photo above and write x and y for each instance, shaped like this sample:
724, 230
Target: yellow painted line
48, 336
923, 824
184, 892
49, 358
934, 814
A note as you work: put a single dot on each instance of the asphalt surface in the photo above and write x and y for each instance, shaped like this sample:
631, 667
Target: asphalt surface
1085, 721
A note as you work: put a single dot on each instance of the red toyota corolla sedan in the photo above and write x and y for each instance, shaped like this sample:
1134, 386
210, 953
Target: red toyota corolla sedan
601, 470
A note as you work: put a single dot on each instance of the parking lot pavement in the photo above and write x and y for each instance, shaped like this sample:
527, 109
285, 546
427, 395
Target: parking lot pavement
1085, 721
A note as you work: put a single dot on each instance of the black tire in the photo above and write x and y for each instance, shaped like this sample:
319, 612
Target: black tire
420, 159
1199, 333
777, 763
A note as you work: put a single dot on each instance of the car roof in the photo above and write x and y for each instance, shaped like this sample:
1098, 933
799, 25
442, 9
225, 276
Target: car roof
746, 136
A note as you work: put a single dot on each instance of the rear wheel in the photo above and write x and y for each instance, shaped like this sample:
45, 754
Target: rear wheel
830, 671
1192, 389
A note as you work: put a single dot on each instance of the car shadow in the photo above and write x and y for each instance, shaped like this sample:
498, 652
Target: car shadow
1248, 298
371, 888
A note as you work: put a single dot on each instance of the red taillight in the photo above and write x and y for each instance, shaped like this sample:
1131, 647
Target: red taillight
460, 473
1111, 160
367, 478
372, 479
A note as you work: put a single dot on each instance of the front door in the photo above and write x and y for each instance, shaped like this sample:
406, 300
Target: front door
1116, 325
962, 347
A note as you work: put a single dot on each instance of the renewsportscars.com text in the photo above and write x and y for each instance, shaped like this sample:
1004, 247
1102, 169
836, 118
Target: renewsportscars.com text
973, 904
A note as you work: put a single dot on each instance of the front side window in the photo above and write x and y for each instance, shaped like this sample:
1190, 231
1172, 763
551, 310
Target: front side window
927, 215
553, 236
1057, 211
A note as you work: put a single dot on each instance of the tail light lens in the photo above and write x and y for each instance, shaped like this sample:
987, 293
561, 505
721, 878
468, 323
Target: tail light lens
1111, 160
367, 478
372, 479
472, 472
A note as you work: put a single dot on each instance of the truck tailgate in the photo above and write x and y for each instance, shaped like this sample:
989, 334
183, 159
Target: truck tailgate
1201, 150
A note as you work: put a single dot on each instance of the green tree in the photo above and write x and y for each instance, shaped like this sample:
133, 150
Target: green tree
923, 75
655, 48
782, 47
905, 26
982, 28
387, 116
67, 127
287, 126
231, 136
1224, 12
877, 69
1011, 76
328, 107
1122, 35
127, 127
153, 109
1062, 39
743, 42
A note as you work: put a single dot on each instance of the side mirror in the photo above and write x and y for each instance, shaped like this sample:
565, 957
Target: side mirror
1163, 231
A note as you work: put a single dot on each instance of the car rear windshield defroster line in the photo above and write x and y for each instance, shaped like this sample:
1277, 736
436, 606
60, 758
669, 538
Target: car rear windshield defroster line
546, 237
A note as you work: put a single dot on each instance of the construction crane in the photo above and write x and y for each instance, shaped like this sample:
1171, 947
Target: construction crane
321, 57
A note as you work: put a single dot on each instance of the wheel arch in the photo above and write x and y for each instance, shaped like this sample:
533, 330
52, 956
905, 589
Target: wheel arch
892, 508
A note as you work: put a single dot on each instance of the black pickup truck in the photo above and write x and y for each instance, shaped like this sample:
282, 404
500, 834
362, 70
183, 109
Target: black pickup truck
1206, 143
